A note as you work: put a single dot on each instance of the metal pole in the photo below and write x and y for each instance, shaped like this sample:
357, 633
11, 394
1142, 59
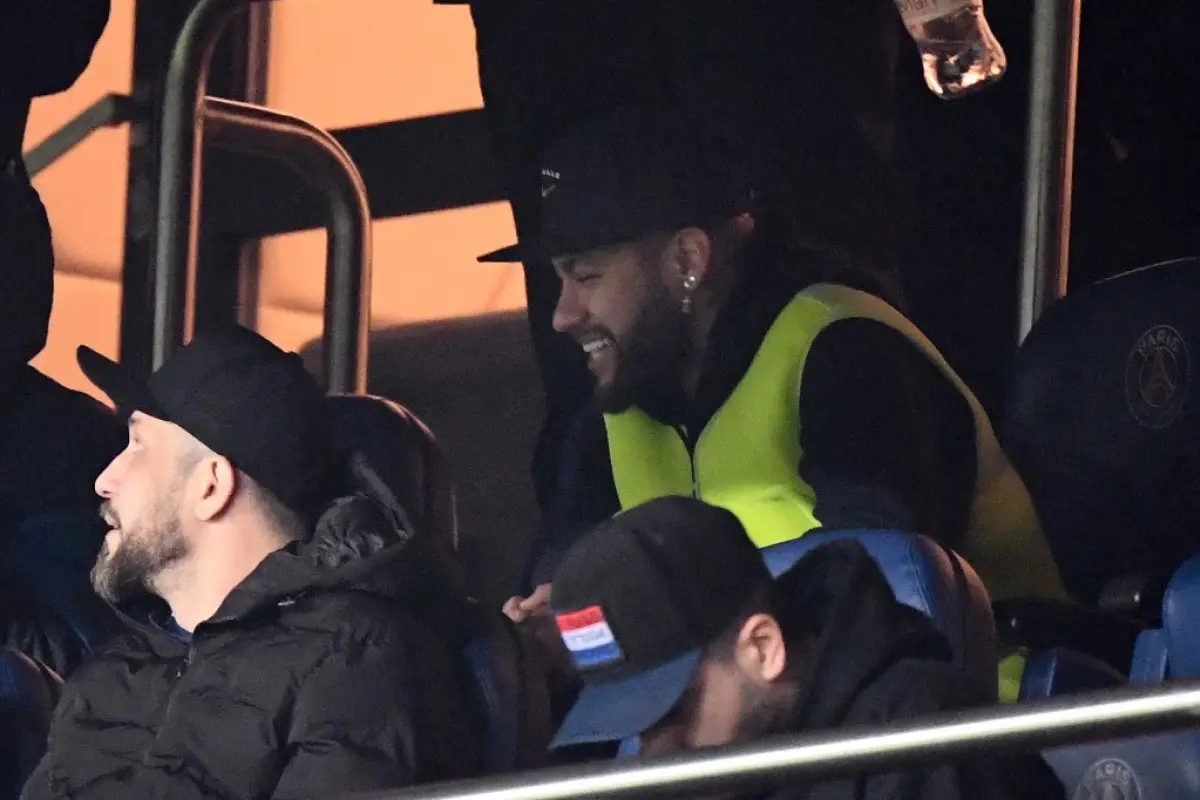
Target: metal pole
108, 111
1049, 158
179, 174
807, 759
316, 155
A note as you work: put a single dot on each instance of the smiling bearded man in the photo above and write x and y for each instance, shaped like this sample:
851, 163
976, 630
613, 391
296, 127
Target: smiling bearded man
738, 367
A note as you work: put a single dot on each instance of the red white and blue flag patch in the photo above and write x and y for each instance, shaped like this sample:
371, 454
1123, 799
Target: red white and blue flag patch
588, 638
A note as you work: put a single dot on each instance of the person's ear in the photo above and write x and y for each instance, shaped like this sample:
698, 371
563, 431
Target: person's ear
692, 254
760, 651
215, 483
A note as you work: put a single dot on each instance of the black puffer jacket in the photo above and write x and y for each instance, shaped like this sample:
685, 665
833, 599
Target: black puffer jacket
877, 662
319, 675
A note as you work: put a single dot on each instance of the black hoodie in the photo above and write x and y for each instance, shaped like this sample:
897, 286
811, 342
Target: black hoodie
328, 670
876, 661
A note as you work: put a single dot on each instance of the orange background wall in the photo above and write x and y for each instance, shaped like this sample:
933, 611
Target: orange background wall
338, 63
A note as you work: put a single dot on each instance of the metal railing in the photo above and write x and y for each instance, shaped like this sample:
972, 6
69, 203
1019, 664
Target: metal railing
1049, 159
327, 166
187, 117
1028, 727
107, 112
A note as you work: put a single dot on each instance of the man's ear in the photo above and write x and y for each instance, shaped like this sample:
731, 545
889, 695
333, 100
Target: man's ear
760, 650
692, 254
215, 484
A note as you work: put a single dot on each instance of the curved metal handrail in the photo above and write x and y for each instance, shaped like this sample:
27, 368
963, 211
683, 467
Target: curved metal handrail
325, 164
187, 115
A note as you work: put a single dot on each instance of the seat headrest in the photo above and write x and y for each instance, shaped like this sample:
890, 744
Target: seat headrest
927, 577
1101, 424
404, 453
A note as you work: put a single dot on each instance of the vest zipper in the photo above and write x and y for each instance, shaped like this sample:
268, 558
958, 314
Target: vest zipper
691, 453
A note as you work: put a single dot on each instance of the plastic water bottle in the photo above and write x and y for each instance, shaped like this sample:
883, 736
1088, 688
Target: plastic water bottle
959, 52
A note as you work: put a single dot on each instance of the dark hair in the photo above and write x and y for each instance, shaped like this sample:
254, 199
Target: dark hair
287, 522
798, 628
776, 245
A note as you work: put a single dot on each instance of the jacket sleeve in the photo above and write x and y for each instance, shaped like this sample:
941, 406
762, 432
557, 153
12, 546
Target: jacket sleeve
581, 496
45, 45
887, 440
353, 727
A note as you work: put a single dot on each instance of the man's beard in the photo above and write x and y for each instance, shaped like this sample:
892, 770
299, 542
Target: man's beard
650, 356
762, 715
143, 553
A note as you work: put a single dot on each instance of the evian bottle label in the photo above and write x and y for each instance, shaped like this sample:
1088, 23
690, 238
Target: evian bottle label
918, 12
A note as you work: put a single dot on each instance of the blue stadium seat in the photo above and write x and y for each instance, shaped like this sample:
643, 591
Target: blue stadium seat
405, 454
1102, 425
930, 578
501, 667
1060, 670
1164, 767
28, 694
1181, 621
509, 685
1149, 658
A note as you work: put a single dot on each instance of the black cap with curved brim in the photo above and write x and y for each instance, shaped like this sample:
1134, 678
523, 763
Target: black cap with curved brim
638, 600
245, 399
640, 170
127, 393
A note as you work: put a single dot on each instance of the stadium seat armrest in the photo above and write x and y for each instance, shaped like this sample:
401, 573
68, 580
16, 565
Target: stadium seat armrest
1041, 624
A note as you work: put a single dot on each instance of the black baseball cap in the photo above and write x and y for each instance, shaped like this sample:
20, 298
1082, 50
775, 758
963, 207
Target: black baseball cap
636, 171
244, 398
637, 600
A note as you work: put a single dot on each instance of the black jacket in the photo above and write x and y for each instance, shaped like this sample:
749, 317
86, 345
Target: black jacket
874, 662
56, 441
888, 440
45, 45
320, 674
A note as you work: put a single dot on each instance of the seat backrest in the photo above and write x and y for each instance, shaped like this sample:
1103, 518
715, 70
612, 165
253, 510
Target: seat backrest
28, 694
1166, 766
1149, 664
1059, 670
506, 677
1163, 767
1181, 621
404, 453
928, 577
1101, 423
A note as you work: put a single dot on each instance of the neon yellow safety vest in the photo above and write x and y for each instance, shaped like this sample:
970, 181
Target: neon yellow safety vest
746, 457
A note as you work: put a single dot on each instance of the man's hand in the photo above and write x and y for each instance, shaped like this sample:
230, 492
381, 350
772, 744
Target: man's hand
520, 609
